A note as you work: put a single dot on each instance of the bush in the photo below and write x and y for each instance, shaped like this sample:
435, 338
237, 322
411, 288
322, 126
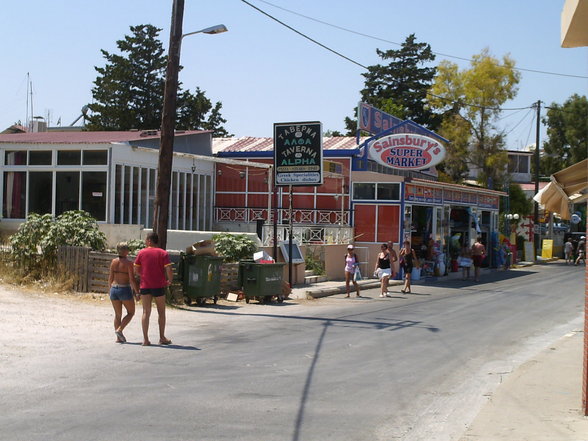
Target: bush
35, 244
234, 247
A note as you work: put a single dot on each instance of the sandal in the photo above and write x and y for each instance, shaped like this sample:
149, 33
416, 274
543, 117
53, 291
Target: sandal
165, 341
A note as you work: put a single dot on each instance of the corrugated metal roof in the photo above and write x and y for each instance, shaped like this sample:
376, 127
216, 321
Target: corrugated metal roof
85, 137
251, 144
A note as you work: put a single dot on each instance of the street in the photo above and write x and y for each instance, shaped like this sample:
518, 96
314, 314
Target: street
411, 367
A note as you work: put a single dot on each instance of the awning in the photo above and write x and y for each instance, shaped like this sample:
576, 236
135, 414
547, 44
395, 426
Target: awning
566, 186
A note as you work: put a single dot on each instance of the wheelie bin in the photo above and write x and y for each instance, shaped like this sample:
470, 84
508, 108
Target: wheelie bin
261, 281
201, 277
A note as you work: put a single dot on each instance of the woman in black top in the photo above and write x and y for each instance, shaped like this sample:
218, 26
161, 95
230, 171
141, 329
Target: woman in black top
384, 269
408, 260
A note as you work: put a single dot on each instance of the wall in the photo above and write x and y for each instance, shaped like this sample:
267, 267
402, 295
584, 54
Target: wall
180, 239
116, 233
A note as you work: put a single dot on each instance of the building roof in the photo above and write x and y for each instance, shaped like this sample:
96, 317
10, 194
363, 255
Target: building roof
455, 186
85, 137
249, 144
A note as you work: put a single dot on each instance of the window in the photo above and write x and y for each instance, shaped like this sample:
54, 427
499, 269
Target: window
40, 157
15, 186
95, 157
40, 192
364, 191
118, 186
388, 192
67, 191
518, 164
94, 194
383, 191
15, 157
68, 157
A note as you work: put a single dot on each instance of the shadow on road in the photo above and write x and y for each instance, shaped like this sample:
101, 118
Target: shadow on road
493, 277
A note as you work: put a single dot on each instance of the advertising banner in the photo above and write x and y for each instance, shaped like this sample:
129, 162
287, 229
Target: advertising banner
374, 120
406, 151
298, 153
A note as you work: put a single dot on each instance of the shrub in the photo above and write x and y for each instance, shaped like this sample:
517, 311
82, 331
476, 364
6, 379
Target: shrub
35, 244
234, 247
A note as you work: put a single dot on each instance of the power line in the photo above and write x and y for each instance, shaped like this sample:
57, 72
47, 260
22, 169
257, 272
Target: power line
305, 36
366, 68
400, 44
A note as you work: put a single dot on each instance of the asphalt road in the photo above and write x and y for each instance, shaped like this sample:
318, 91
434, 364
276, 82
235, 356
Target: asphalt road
413, 367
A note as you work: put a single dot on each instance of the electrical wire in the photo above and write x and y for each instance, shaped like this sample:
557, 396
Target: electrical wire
400, 44
305, 36
366, 68
520, 121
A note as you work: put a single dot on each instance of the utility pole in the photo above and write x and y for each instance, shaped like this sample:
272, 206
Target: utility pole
537, 165
168, 121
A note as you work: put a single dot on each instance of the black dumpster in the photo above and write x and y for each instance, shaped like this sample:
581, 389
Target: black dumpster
201, 277
261, 281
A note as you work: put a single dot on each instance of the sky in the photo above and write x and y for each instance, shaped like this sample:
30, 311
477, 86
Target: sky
263, 72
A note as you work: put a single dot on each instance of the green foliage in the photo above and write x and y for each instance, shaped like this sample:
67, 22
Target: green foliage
135, 245
234, 247
470, 101
35, 244
128, 92
313, 264
567, 131
518, 201
400, 87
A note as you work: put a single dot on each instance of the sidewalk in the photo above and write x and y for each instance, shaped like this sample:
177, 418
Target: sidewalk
541, 400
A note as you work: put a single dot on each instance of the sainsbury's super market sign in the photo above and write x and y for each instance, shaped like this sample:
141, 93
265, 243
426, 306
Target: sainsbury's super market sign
406, 151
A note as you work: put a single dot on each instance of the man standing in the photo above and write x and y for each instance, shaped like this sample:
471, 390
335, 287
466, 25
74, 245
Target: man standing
154, 268
581, 251
569, 251
478, 254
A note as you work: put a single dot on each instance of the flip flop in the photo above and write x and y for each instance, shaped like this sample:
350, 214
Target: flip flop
120, 336
165, 342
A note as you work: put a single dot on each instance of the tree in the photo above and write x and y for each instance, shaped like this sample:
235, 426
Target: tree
470, 101
400, 87
567, 130
128, 92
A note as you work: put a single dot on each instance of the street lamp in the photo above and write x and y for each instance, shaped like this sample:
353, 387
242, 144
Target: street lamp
168, 120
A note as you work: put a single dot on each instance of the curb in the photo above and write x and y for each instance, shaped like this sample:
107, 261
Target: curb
325, 292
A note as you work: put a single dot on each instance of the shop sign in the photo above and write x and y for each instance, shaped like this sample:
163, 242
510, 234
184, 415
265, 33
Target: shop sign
406, 151
374, 120
298, 153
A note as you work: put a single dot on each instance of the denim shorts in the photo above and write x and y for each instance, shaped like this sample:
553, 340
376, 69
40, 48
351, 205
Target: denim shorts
120, 292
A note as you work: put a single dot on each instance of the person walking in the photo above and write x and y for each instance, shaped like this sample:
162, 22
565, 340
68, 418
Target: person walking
478, 254
465, 257
569, 251
383, 269
351, 264
408, 261
154, 268
581, 251
122, 283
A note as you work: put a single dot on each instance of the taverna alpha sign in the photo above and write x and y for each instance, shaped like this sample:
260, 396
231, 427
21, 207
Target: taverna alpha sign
406, 151
298, 153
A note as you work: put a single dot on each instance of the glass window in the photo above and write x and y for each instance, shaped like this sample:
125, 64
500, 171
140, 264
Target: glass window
126, 196
144, 197
136, 197
40, 192
40, 157
67, 191
152, 184
95, 157
15, 186
208, 206
69, 157
202, 203
94, 194
388, 192
182, 203
173, 219
118, 195
364, 191
524, 164
189, 205
16, 157
195, 195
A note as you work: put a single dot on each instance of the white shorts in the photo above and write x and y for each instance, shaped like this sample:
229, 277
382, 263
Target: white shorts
384, 272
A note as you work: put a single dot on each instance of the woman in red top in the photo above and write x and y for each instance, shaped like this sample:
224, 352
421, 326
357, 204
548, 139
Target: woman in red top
154, 268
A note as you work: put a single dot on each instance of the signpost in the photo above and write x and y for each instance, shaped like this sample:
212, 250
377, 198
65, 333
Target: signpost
298, 161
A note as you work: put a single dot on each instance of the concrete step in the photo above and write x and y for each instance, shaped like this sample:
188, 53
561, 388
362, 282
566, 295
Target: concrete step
309, 280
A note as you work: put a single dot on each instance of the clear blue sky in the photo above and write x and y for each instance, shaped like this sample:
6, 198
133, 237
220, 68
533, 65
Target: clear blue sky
264, 73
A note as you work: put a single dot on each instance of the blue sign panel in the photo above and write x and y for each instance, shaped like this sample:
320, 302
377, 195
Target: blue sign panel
374, 120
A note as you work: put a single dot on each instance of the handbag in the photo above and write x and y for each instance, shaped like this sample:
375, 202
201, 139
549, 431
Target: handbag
357, 274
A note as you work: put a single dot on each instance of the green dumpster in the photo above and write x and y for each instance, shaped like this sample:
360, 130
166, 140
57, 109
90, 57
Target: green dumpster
201, 277
261, 281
